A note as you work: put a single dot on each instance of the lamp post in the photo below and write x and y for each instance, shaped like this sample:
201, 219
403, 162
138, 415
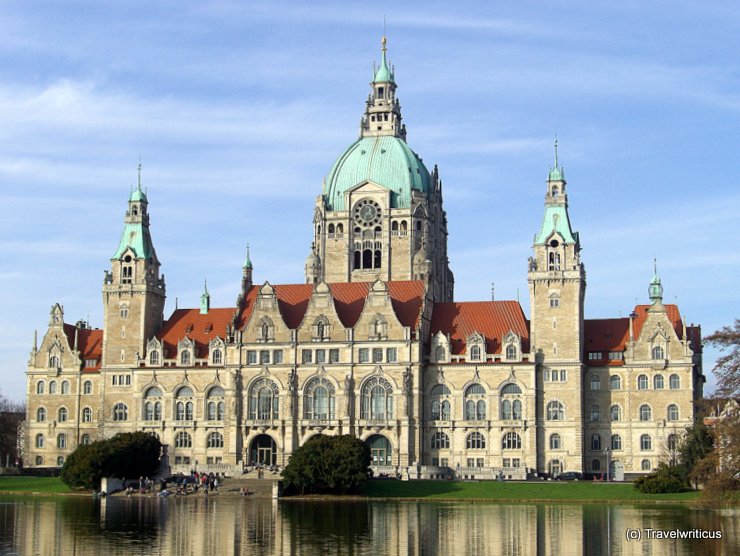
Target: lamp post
607, 451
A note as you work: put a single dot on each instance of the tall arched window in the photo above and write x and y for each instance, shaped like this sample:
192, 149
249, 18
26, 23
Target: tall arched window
65, 387
642, 382
87, 415
41, 414
264, 401
511, 407
615, 383
475, 402
672, 412
595, 413
217, 357
615, 413
511, 441
154, 357
646, 443
440, 441
658, 352
183, 440
646, 414
52, 387
555, 442
184, 404
596, 441
616, 442
319, 400
215, 440
61, 440
153, 404
120, 412
63, 414
555, 411
377, 399
674, 382
87, 387
440, 403
39, 440
475, 441
215, 404
40, 387
658, 382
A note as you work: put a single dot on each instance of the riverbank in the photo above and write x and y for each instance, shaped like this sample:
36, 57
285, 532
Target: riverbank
13, 484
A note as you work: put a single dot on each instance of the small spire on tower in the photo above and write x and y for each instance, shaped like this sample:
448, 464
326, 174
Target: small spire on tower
655, 290
205, 299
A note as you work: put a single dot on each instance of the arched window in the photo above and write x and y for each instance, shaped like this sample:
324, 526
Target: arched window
646, 465
215, 440
65, 387
154, 357
60, 461
41, 414
595, 382
642, 382
674, 382
672, 442
475, 402
555, 442
183, 440
658, 352
40, 387
440, 403
440, 354
646, 443
555, 411
320, 400
184, 404
185, 357
215, 404
511, 441
511, 351
39, 440
440, 441
615, 383
672, 412
61, 440
85, 439
217, 357
331, 229
264, 401
596, 441
506, 409
595, 413
120, 412
475, 441
87, 415
595, 465
123, 312
153, 404
658, 383
646, 414
87, 387
63, 414
52, 387
475, 353
53, 362
615, 413
377, 399
616, 442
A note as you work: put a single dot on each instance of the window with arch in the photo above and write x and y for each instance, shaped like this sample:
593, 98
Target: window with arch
52, 387
217, 356
475, 402
595, 465
475, 353
85, 439
215, 405
65, 387
320, 399
475, 441
554, 261
154, 357
556, 442
41, 414
646, 414
642, 382
377, 399
615, 383
674, 382
53, 362
60, 461
215, 440
615, 413
440, 441
658, 352
646, 443
120, 412
595, 413
184, 404
511, 441
126, 274
320, 329
440, 403
153, 404
123, 312
61, 440
672, 413
40, 387
87, 415
555, 411
264, 401
440, 353
87, 387
672, 442
658, 383
511, 408
62, 415
595, 382
511, 352
596, 441
39, 441
183, 440
616, 443
265, 330
645, 465
185, 357
331, 230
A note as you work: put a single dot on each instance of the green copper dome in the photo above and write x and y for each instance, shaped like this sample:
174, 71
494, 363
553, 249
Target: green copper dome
556, 174
385, 160
137, 195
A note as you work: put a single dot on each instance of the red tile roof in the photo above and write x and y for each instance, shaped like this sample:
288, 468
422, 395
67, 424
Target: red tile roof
89, 344
199, 328
492, 319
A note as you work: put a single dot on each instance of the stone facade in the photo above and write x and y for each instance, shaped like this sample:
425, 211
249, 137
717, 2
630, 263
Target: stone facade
372, 345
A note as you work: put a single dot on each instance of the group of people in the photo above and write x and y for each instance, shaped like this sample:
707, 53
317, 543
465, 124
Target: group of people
260, 468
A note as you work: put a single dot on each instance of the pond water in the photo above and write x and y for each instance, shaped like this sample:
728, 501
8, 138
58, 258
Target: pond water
184, 526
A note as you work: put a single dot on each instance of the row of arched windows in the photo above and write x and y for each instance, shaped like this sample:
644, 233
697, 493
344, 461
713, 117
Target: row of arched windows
643, 382
64, 387
476, 441
475, 403
645, 412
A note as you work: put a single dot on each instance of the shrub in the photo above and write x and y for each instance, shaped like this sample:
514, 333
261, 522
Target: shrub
665, 479
328, 464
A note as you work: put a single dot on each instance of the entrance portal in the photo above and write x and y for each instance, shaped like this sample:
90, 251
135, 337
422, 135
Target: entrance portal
381, 452
263, 450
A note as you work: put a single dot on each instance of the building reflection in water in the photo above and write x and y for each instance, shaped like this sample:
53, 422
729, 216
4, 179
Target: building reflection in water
174, 526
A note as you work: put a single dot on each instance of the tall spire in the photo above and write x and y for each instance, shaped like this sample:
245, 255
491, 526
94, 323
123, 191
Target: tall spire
383, 111
556, 172
384, 74
205, 299
247, 261
655, 290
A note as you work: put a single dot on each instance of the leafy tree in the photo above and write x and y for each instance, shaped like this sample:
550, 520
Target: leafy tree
727, 369
696, 444
11, 413
328, 464
132, 455
664, 479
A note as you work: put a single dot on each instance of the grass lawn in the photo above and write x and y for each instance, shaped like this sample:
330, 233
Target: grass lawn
42, 485
582, 491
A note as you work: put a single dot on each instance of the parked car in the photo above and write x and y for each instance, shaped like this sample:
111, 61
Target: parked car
571, 476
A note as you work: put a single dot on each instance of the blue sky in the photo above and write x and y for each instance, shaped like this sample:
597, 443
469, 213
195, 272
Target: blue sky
238, 110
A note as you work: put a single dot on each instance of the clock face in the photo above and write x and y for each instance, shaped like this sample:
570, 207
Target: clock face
367, 213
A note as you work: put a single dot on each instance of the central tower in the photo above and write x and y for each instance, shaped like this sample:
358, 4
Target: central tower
380, 213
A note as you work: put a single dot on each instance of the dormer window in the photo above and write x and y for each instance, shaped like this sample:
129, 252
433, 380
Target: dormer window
217, 357
658, 353
510, 352
154, 358
185, 357
265, 330
475, 353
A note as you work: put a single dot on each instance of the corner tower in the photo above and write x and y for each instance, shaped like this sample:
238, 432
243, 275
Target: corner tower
133, 290
380, 213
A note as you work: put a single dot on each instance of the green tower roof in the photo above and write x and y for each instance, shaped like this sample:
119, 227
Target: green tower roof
385, 160
138, 196
384, 74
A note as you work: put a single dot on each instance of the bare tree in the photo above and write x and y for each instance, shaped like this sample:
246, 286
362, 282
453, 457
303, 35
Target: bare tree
11, 413
727, 369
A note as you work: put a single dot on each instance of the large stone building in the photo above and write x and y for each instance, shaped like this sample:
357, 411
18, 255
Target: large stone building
373, 345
